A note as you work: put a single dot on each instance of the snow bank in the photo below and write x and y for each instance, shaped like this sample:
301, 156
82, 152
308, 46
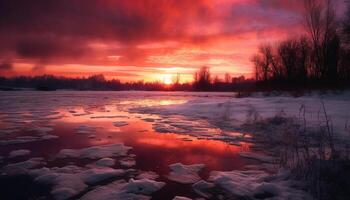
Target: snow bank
255, 184
95, 152
185, 173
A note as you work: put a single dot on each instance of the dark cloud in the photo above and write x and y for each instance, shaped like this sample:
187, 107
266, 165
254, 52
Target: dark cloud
46, 48
6, 66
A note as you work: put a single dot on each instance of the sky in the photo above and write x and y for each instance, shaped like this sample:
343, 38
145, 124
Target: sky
140, 39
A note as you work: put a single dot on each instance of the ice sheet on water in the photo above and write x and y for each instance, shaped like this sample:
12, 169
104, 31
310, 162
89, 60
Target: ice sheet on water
27, 139
185, 173
19, 152
95, 152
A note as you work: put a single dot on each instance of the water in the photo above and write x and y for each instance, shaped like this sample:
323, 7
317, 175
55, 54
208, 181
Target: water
66, 112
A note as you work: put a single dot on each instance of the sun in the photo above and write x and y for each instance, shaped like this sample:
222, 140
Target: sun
167, 79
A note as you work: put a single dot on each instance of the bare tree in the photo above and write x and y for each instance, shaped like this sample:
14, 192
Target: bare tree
202, 79
321, 26
228, 78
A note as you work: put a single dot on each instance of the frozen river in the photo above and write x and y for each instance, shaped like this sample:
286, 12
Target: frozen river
136, 145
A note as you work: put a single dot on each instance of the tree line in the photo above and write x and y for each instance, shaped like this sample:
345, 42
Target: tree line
203, 82
319, 57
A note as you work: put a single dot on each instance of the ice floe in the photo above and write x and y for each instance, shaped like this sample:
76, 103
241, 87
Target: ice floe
185, 173
181, 198
134, 189
127, 162
69, 181
22, 167
19, 152
120, 124
95, 152
147, 175
106, 162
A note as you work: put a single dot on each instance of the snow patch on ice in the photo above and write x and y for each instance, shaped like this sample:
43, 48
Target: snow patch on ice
95, 152
185, 173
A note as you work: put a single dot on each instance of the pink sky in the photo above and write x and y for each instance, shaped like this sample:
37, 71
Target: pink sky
140, 39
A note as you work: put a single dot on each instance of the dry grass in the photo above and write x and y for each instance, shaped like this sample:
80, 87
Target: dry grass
312, 154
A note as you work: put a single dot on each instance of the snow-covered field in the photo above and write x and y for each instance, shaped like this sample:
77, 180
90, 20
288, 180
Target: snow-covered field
142, 145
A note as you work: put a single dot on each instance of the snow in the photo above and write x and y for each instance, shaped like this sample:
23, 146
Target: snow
199, 115
185, 173
19, 152
95, 152
106, 162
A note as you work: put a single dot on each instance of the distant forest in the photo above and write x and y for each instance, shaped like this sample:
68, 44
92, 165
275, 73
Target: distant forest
98, 82
319, 59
